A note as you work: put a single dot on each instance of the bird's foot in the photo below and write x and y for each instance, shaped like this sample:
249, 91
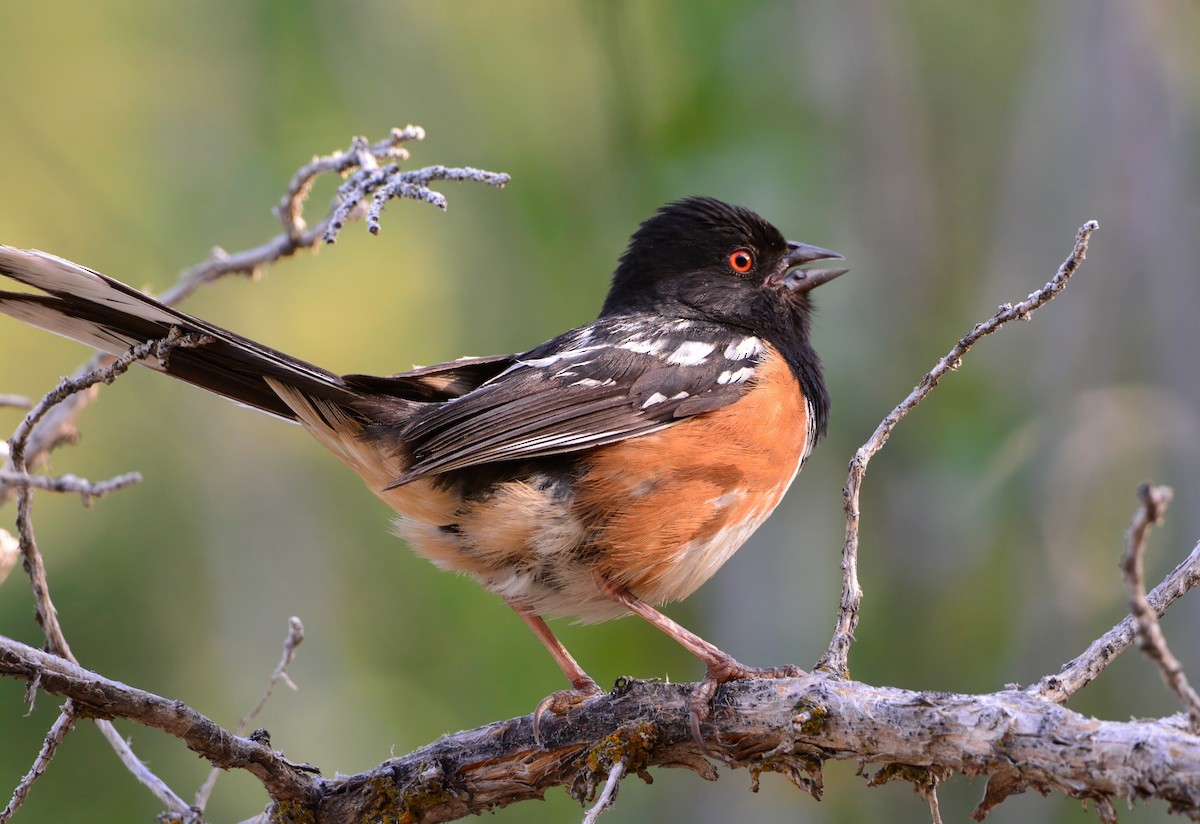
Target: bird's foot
561, 702
720, 672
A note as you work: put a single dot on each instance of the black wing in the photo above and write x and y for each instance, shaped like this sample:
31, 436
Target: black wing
614, 379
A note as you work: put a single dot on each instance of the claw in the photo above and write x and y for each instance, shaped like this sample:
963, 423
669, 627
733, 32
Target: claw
560, 703
700, 701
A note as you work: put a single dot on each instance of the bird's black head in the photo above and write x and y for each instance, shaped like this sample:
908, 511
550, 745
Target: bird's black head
700, 257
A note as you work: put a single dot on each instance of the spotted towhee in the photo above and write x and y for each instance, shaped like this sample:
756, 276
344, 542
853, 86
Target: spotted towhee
611, 469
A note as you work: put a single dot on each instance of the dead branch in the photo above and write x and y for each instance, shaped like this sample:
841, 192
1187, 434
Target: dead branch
102, 698
1082, 670
790, 726
1153, 506
44, 611
58, 731
836, 658
86, 489
360, 164
295, 637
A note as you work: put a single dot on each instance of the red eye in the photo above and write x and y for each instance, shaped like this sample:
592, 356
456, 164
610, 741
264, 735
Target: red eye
741, 261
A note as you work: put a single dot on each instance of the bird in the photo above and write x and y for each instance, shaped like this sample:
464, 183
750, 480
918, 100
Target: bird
610, 470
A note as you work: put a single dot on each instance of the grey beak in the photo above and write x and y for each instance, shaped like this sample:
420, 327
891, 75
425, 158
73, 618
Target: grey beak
799, 281
801, 253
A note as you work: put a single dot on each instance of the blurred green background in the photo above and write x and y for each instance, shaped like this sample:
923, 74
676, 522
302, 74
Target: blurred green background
949, 150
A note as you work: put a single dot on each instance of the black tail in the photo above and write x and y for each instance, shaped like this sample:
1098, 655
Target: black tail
88, 307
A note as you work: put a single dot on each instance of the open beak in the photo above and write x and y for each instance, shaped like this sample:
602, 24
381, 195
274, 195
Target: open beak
799, 281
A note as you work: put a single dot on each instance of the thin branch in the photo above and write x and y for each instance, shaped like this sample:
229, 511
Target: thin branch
104, 698
1083, 669
361, 154
70, 483
1154, 501
836, 658
58, 731
790, 726
295, 637
138, 769
44, 611
369, 179
935, 809
58, 425
608, 796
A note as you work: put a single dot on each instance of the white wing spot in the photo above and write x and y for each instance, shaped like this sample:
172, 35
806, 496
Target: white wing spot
657, 397
745, 348
736, 375
642, 347
691, 353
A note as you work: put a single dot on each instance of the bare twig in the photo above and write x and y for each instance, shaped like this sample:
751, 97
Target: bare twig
1154, 501
608, 795
138, 769
1083, 669
295, 638
45, 612
361, 154
790, 726
70, 483
935, 809
103, 697
58, 731
369, 180
836, 658
58, 425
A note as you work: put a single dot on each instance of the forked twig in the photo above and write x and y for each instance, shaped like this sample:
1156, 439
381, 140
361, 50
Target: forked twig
86, 489
1083, 669
1153, 502
295, 638
44, 610
836, 657
58, 425
58, 731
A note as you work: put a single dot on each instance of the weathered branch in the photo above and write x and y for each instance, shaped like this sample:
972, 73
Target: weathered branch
1082, 670
295, 637
790, 726
1153, 506
836, 658
86, 489
45, 612
100, 697
58, 731
360, 163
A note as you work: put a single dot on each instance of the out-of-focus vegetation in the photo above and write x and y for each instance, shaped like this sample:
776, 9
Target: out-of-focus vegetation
949, 149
